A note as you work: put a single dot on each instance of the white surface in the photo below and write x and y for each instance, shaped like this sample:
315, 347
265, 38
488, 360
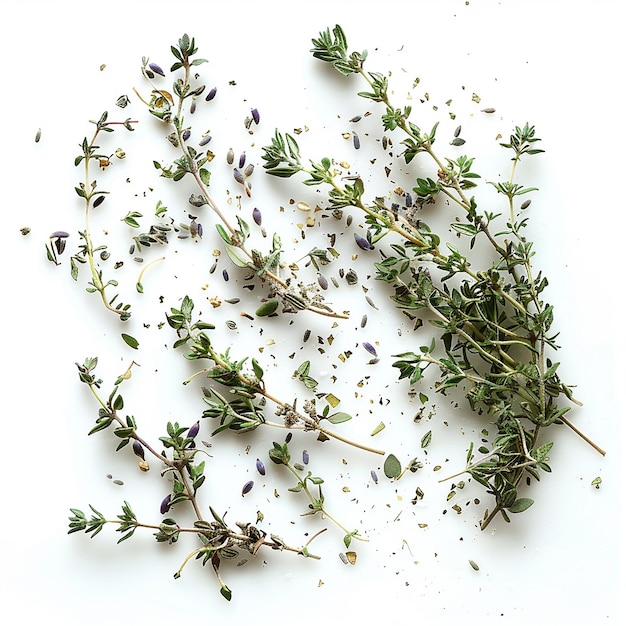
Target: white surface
558, 65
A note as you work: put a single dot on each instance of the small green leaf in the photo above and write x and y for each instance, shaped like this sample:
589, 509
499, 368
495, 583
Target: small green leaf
131, 341
339, 417
205, 176
520, 505
267, 308
426, 439
392, 467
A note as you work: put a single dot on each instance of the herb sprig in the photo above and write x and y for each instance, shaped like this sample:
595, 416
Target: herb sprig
180, 462
495, 337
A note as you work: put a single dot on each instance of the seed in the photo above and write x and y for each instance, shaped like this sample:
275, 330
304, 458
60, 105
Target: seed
334, 281
117, 481
371, 302
288, 437
38, 135
255, 116
247, 488
98, 201
344, 558
211, 94
457, 131
489, 110
231, 325
249, 170
256, 216
457, 141
192, 108
322, 281
374, 477
230, 156
525, 204
363, 321
156, 69
225, 275
242, 159
307, 334
356, 141
260, 467
474, 565
356, 118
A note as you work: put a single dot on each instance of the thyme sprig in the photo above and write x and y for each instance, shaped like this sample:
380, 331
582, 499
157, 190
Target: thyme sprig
171, 109
281, 455
179, 460
243, 410
495, 327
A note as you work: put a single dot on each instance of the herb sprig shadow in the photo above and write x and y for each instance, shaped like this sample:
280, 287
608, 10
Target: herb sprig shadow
181, 460
495, 337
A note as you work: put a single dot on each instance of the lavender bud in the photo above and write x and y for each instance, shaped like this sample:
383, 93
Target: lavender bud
186, 134
205, 140
255, 116
59, 244
242, 159
408, 200
230, 156
370, 348
238, 176
138, 450
211, 94
165, 504
260, 467
305, 457
256, 216
356, 141
199, 228
193, 431
322, 281
59, 233
249, 170
363, 243
247, 488
156, 69
374, 477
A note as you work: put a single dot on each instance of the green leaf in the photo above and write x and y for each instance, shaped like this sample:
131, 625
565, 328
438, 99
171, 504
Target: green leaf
234, 255
426, 439
520, 505
339, 417
131, 341
392, 467
205, 176
267, 308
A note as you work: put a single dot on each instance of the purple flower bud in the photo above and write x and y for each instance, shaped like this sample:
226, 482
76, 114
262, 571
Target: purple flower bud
59, 233
305, 457
156, 69
255, 116
200, 230
211, 94
205, 140
242, 159
186, 134
247, 488
193, 431
408, 200
374, 477
260, 467
165, 504
238, 176
370, 348
138, 450
256, 216
363, 243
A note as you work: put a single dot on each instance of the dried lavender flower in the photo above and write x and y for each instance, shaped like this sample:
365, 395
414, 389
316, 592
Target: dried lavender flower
156, 69
255, 116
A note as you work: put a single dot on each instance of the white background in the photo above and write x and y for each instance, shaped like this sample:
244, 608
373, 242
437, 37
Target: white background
558, 65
